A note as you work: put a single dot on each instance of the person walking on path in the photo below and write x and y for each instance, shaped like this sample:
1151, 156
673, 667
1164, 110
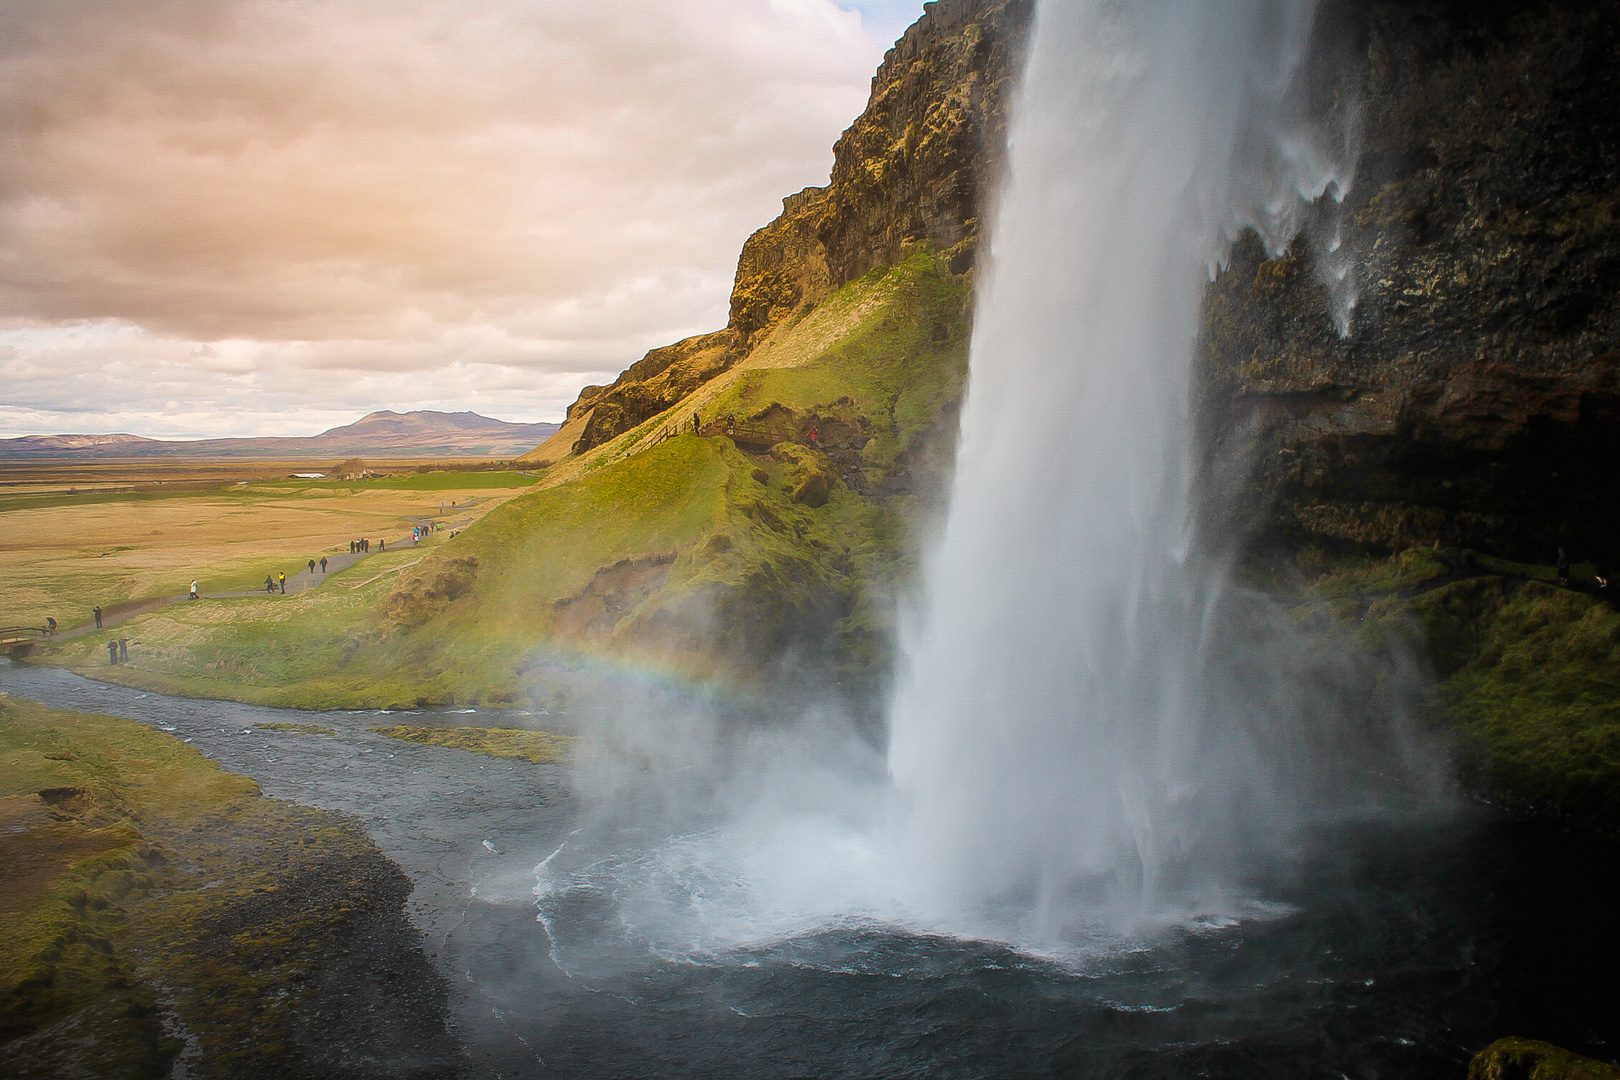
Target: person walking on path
312, 566
323, 564
112, 652
193, 588
269, 584
281, 580
97, 613
697, 424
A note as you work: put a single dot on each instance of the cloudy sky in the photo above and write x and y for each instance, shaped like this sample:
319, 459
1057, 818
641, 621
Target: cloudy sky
267, 217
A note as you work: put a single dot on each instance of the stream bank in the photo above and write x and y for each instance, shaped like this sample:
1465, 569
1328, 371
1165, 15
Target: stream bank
465, 829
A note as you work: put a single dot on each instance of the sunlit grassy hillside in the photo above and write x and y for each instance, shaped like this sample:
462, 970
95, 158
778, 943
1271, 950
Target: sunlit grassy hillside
755, 563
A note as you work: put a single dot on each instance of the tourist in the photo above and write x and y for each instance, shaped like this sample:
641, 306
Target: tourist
193, 588
112, 651
98, 617
123, 650
312, 566
697, 424
269, 584
382, 545
281, 580
323, 564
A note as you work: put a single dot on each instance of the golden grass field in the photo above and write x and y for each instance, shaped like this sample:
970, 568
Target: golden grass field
73, 537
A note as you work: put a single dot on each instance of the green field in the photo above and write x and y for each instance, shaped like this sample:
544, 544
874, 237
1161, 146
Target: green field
62, 554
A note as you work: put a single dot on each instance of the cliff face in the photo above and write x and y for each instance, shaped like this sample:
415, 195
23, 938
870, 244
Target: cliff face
915, 168
1475, 401
1412, 481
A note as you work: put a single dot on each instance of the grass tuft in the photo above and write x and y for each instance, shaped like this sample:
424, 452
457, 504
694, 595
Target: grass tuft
539, 747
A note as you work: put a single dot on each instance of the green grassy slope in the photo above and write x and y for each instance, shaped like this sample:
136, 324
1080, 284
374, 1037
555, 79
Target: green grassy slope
1525, 673
683, 551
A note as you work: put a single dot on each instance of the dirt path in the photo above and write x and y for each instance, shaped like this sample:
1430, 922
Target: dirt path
297, 582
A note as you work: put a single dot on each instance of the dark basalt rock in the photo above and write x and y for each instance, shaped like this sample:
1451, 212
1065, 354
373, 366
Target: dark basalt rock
1476, 399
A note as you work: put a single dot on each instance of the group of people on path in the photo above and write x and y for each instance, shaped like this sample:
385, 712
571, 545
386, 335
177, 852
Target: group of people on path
1600, 575
277, 583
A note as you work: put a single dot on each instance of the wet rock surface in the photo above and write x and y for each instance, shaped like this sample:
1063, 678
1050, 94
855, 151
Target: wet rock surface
1475, 399
1529, 1059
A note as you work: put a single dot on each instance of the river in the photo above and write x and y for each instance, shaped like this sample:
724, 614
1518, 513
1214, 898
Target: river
1398, 950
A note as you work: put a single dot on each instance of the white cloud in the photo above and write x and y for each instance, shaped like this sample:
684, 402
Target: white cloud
276, 213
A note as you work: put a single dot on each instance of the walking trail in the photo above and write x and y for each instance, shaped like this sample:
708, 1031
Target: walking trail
298, 582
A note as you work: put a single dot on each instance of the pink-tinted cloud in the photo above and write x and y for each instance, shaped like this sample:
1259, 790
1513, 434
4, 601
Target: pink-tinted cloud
421, 199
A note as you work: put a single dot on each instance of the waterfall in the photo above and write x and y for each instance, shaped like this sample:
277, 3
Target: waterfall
1069, 741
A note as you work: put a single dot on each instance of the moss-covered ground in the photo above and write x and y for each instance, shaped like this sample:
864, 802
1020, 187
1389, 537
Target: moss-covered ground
539, 747
1526, 671
1531, 1059
149, 894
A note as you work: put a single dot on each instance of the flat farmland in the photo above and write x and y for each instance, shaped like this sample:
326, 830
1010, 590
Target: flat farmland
75, 536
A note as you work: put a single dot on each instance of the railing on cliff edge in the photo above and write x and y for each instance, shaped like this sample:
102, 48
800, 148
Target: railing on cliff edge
759, 436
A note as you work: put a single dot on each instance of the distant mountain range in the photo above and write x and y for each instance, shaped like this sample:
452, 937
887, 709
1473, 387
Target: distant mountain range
379, 434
